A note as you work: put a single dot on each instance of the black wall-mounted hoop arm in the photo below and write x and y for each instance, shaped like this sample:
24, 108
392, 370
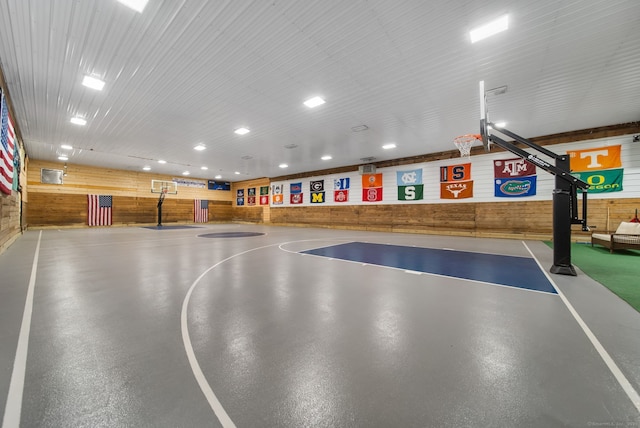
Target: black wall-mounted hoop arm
565, 198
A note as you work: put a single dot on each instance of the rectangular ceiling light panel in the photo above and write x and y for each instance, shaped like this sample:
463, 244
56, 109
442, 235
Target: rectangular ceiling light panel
137, 5
494, 27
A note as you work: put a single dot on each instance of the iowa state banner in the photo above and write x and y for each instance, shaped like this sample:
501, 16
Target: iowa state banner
515, 187
602, 181
410, 187
595, 159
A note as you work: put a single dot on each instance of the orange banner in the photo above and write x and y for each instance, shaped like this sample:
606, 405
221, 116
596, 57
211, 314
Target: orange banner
595, 159
456, 190
371, 180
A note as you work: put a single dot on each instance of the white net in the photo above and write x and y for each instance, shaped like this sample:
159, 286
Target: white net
465, 142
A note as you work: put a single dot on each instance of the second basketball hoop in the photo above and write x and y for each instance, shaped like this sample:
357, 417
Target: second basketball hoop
465, 142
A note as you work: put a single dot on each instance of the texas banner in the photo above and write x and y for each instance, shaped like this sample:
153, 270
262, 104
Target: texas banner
515, 187
455, 181
602, 181
341, 189
317, 191
410, 187
372, 187
595, 159
456, 190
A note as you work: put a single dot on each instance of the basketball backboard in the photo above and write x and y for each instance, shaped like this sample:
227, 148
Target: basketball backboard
484, 118
161, 186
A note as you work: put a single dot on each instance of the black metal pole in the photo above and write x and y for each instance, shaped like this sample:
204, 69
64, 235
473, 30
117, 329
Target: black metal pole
562, 216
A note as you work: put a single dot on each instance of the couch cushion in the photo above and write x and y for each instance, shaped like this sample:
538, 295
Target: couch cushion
629, 228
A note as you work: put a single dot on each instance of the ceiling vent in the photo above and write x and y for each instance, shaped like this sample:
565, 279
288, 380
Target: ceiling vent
367, 169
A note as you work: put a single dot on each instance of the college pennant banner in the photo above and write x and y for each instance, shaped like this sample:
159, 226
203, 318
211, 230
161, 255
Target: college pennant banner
240, 197
278, 197
461, 172
410, 187
456, 190
264, 195
595, 159
296, 198
602, 181
515, 187
372, 187
508, 168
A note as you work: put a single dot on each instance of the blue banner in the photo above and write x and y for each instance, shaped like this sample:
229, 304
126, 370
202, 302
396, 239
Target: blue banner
515, 187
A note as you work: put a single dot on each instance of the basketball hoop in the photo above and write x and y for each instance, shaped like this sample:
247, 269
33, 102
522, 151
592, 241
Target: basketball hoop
464, 143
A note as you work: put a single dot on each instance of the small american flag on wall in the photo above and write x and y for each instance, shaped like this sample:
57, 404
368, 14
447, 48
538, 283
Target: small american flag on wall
99, 213
200, 211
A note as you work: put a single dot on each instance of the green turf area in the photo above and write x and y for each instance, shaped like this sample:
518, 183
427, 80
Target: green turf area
619, 272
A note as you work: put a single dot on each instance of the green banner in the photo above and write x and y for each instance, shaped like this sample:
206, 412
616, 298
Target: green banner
410, 193
609, 180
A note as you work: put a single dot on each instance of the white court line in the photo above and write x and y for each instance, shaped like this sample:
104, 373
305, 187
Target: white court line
613, 367
13, 408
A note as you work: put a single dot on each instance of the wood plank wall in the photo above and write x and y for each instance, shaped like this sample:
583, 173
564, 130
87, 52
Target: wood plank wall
247, 213
133, 202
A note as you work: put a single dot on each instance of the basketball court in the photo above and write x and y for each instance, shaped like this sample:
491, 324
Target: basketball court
236, 325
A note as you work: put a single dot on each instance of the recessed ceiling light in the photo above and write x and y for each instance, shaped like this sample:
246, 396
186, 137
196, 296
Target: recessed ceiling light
137, 5
488, 30
162, 161
93, 83
237, 173
78, 121
63, 158
146, 168
283, 165
204, 168
218, 177
242, 131
66, 147
389, 146
186, 173
326, 157
500, 124
200, 147
314, 102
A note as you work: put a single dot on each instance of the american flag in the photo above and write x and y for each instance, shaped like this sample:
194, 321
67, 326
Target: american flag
200, 211
99, 210
7, 148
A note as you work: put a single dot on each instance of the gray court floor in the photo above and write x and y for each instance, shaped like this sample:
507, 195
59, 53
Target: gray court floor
133, 327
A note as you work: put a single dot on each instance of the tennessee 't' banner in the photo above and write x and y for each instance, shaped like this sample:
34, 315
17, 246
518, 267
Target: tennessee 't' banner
595, 159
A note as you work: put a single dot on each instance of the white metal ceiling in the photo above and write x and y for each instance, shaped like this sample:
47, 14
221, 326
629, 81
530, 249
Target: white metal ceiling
190, 71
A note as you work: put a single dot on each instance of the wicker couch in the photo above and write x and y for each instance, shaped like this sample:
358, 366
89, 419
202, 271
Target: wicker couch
626, 236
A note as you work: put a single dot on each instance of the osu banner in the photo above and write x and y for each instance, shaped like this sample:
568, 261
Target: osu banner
602, 181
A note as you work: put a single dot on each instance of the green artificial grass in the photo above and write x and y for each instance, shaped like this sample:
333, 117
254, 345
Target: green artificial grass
618, 271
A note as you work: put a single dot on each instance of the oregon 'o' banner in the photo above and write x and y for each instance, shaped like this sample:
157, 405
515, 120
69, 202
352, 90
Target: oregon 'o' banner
600, 167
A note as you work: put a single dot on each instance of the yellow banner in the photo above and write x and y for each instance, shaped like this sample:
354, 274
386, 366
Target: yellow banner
595, 159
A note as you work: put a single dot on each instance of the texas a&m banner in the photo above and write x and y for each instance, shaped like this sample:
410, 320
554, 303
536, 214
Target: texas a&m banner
514, 178
455, 181
600, 167
372, 187
410, 187
341, 189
